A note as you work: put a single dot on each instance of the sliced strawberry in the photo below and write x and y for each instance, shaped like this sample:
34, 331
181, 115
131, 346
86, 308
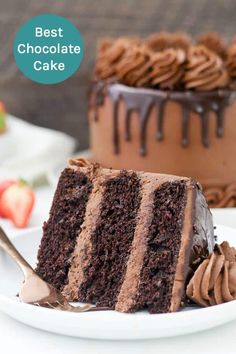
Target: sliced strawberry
16, 204
3, 186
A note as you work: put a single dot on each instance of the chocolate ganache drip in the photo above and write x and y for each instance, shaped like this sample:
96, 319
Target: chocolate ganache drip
199, 75
142, 101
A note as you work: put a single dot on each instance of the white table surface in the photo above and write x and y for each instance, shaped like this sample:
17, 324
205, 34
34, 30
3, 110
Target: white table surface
18, 338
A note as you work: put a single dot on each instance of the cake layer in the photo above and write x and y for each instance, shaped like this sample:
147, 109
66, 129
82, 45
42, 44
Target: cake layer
136, 240
64, 224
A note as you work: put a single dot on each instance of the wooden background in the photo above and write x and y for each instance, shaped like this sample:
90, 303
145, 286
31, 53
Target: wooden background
63, 106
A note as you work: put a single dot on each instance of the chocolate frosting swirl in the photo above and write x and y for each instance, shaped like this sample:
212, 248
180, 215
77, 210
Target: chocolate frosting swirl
231, 60
167, 68
109, 55
218, 197
159, 41
214, 281
134, 66
163, 40
140, 67
214, 42
168, 61
205, 70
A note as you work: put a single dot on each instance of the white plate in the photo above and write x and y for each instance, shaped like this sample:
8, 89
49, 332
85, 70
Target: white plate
108, 324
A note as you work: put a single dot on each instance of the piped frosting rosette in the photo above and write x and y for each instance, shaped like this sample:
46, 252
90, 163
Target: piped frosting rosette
141, 67
231, 60
205, 70
168, 61
133, 68
163, 40
214, 42
110, 53
167, 68
219, 197
214, 281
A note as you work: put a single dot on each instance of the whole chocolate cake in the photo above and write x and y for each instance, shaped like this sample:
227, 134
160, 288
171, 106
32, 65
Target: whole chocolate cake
167, 104
124, 239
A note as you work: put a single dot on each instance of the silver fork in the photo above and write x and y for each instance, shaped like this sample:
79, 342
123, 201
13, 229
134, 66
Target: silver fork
36, 291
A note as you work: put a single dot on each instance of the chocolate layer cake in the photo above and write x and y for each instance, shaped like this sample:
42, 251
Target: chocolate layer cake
162, 103
123, 239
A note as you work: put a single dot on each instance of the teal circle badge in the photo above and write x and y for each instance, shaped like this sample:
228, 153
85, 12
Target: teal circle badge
48, 49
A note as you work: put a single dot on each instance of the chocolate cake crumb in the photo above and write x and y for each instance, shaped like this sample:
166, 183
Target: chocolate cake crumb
112, 240
159, 266
63, 226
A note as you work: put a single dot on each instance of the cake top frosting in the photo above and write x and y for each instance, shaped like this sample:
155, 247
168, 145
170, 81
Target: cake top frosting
168, 61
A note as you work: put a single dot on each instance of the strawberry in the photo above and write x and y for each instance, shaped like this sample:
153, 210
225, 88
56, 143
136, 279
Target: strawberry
4, 185
16, 203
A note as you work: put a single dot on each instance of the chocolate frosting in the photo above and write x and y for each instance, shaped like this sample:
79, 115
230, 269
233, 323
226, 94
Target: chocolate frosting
162, 40
214, 42
221, 197
167, 68
134, 66
231, 60
214, 281
143, 100
203, 237
160, 61
109, 55
205, 70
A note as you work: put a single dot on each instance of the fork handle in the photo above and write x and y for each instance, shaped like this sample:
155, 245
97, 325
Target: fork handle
10, 249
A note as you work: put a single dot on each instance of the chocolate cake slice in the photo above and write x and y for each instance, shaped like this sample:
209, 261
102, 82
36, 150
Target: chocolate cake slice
124, 239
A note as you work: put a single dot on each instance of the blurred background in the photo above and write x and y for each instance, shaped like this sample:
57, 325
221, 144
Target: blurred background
63, 106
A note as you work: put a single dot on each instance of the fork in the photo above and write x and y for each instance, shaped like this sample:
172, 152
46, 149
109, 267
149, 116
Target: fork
35, 290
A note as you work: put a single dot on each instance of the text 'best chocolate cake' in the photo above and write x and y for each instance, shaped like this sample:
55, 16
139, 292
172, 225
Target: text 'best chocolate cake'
166, 104
123, 239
